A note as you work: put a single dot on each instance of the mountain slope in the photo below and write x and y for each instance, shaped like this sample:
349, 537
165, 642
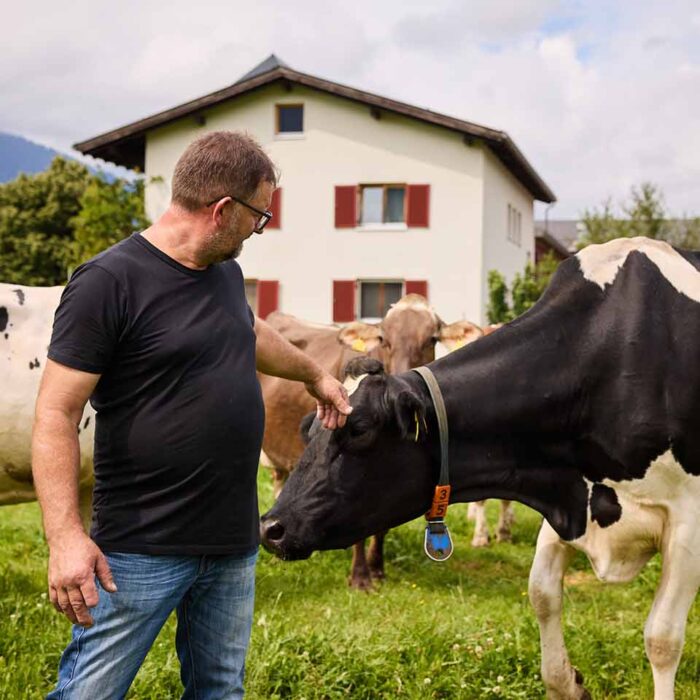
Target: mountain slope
18, 155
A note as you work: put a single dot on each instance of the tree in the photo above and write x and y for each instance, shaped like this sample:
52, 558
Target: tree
497, 310
52, 221
644, 214
109, 212
35, 223
526, 289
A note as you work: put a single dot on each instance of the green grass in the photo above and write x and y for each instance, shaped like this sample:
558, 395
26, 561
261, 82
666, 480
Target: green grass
461, 629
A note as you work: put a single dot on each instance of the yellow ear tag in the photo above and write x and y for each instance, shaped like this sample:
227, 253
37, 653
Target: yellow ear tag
459, 344
359, 345
415, 415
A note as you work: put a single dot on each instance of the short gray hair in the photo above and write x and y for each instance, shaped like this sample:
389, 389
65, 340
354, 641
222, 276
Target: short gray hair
218, 164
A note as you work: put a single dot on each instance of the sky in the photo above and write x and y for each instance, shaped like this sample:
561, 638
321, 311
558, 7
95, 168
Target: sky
600, 96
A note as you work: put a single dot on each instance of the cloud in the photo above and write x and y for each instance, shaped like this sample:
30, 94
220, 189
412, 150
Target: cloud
450, 25
598, 95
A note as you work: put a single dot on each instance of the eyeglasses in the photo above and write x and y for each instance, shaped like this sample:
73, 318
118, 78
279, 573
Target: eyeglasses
264, 216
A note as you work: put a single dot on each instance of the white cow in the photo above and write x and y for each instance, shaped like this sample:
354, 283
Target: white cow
26, 319
661, 515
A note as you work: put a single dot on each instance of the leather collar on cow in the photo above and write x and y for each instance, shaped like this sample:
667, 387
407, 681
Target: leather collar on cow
438, 542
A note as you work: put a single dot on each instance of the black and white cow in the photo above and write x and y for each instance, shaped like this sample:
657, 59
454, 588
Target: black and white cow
586, 408
26, 319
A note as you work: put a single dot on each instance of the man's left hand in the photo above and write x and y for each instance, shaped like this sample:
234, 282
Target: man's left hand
332, 407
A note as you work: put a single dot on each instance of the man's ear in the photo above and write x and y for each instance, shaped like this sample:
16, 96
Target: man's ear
406, 408
217, 213
460, 333
362, 337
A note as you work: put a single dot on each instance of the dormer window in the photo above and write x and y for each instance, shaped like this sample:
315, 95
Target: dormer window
290, 119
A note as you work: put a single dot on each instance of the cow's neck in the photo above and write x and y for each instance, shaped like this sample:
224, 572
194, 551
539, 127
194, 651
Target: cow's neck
511, 425
507, 384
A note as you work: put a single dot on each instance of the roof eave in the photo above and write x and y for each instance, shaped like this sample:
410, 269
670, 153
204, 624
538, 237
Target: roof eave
553, 242
108, 144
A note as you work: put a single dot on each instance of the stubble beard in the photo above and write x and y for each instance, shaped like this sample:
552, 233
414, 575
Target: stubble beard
218, 247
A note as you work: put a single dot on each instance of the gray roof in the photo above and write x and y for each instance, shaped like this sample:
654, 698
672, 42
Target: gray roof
565, 231
270, 63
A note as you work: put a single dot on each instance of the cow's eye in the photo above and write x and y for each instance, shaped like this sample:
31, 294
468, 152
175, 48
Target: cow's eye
357, 428
357, 435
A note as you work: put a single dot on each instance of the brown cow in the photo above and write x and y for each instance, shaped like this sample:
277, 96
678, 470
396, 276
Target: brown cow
405, 338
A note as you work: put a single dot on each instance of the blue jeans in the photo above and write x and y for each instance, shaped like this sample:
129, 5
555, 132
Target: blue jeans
213, 596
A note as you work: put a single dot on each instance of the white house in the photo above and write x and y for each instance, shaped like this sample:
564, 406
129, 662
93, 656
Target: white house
377, 198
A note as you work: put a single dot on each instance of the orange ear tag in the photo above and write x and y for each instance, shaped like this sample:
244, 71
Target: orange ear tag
359, 345
441, 499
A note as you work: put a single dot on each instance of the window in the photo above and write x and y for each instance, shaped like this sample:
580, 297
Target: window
515, 225
377, 297
382, 207
290, 119
382, 204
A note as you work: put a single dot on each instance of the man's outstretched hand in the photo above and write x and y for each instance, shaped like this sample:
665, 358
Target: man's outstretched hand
332, 407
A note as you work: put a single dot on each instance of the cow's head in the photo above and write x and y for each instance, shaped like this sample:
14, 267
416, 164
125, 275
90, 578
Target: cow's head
407, 335
374, 473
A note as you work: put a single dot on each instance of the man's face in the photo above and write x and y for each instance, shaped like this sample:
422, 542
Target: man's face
238, 224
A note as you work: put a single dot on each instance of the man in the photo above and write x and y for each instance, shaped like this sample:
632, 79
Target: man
156, 332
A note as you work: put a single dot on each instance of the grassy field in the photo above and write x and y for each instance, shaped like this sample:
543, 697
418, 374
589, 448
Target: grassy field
461, 629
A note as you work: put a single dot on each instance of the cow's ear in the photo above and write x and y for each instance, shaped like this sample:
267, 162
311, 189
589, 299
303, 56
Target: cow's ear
459, 333
305, 426
407, 408
363, 337
362, 365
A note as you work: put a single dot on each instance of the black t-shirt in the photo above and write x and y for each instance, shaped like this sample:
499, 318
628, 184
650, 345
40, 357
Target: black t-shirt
179, 409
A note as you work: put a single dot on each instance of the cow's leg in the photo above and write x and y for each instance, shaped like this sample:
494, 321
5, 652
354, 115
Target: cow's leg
506, 518
477, 513
279, 478
375, 556
359, 571
552, 557
664, 632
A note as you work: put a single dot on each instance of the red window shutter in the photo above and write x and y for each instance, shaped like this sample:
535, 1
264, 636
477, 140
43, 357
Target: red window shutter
268, 297
276, 209
417, 287
418, 209
345, 206
343, 300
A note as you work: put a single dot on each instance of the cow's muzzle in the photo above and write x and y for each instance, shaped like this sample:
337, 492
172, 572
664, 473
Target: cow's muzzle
276, 540
271, 534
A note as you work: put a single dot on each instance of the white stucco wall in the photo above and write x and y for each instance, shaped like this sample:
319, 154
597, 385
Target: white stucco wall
501, 188
344, 145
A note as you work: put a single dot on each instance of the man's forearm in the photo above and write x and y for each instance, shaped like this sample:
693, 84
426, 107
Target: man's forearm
55, 469
276, 356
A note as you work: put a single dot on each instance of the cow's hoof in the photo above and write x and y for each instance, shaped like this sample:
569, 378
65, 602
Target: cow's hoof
377, 574
566, 686
480, 541
583, 693
360, 583
504, 536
